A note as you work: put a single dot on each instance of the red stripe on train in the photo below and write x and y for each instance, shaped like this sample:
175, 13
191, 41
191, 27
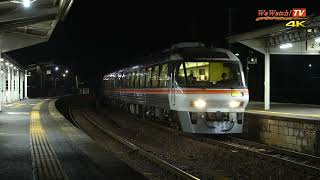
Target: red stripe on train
182, 91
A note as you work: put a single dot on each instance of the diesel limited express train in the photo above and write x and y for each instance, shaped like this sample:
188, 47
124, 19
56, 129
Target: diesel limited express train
201, 90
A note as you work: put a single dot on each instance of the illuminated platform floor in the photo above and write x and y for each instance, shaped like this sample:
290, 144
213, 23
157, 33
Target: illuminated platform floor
37, 142
289, 110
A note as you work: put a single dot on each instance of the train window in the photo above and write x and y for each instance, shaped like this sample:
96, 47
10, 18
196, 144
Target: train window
128, 79
142, 78
180, 77
222, 74
131, 83
148, 77
155, 76
111, 82
118, 80
163, 75
123, 80
136, 79
197, 71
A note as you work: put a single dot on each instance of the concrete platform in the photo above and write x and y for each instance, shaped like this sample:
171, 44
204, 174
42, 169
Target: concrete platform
286, 110
37, 142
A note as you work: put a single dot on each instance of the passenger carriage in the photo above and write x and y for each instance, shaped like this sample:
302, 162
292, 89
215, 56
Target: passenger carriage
200, 89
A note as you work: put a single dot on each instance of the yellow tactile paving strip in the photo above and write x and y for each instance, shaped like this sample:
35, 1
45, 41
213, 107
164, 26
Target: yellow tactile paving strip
45, 164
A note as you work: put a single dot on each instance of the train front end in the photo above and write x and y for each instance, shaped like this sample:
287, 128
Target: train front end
209, 94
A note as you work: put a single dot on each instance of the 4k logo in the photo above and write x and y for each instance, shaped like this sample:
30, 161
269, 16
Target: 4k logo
296, 23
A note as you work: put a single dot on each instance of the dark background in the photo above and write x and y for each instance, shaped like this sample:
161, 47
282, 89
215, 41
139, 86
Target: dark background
97, 38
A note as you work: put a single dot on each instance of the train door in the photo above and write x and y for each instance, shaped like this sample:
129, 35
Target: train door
172, 84
177, 80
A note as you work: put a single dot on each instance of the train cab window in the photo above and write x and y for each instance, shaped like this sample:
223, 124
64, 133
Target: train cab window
155, 76
180, 76
148, 77
163, 75
142, 78
220, 74
136, 79
197, 71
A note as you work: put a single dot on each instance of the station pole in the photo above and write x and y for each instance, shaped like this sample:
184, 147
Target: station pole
267, 80
25, 84
1, 74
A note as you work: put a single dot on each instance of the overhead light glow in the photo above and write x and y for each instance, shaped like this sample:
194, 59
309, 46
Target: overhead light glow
64, 75
310, 65
1, 71
6, 63
286, 46
56, 68
11, 65
317, 40
237, 54
67, 71
1, 60
26, 3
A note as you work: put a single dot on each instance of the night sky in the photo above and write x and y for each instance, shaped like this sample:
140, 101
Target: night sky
96, 39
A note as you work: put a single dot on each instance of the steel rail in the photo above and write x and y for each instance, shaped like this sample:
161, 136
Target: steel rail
151, 157
286, 158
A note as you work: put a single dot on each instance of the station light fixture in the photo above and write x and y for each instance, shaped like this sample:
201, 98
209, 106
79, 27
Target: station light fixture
56, 68
317, 40
286, 46
6, 63
310, 65
1, 60
11, 65
64, 75
237, 54
67, 71
1, 71
26, 3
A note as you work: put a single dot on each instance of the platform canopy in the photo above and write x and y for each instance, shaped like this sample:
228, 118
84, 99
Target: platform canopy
22, 26
281, 39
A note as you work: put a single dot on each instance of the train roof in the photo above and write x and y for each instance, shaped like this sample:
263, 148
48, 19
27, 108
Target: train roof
199, 53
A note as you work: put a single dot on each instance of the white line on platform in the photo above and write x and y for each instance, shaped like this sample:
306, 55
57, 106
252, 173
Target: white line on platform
8, 105
14, 113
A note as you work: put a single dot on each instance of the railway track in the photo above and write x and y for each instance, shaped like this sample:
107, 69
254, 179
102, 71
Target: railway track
305, 163
179, 173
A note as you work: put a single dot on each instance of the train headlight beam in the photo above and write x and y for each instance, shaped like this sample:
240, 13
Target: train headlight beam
200, 103
234, 104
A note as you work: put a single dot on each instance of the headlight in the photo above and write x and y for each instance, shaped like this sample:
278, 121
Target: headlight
199, 103
234, 104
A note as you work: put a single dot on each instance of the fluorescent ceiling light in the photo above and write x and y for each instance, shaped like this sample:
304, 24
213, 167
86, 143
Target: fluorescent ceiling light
286, 46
